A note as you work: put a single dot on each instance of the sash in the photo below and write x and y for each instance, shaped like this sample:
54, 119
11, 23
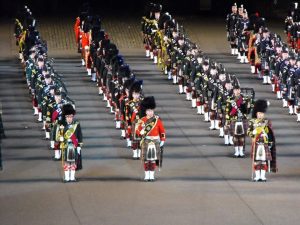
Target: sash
262, 129
69, 134
235, 106
149, 125
55, 114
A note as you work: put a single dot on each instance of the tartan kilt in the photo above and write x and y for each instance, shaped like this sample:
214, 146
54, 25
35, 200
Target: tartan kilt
232, 127
232, 36
144, 148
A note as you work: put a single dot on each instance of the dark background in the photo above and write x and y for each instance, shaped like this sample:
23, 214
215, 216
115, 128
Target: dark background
267, 8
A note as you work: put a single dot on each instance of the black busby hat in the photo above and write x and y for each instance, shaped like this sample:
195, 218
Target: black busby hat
206, 63
278, 45
47, 76
120, 59
32, 51
285, 49
265, 30
52, 87
222, 69
40, 59
260, 105
148, 103
127, 84
292, 56
236, 86
57, 91
157, 8
124, 70
135, 87
68, 109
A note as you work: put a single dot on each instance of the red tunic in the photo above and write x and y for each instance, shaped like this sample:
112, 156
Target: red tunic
157, 130
85, 40
77, 29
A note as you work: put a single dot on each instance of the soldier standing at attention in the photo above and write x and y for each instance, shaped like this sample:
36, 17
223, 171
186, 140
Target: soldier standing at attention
263, 150
153, 135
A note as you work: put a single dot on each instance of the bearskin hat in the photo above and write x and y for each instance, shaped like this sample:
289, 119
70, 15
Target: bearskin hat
105, 43
127, 84
135, 87
164, 19
120, 60
68, 109
57, 91
147, 103
222, 69
157, 8
236, 86
260, 105
124, 70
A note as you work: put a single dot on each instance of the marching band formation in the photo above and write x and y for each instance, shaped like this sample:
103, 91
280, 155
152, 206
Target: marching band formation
215, 94
142, 129
51, 104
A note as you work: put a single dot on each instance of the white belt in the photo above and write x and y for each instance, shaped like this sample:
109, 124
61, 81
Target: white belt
152, 137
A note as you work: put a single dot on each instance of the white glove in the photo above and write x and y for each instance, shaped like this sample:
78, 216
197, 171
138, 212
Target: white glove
254, 132
78, 150
161, 143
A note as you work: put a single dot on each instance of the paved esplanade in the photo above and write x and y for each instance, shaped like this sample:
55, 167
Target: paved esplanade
200, 182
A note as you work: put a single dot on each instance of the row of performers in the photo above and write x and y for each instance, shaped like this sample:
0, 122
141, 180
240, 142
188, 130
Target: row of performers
210, 87
211, 90
268, 56
142, 129
292, 26
50, 102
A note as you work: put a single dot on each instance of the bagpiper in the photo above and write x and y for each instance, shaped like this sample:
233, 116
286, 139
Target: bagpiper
70, 136
236, 119
54, 118
231, 21
263, 149
132, 109
153, 134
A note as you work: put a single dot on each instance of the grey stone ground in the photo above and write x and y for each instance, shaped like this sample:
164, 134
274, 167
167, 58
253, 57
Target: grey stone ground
200, 182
